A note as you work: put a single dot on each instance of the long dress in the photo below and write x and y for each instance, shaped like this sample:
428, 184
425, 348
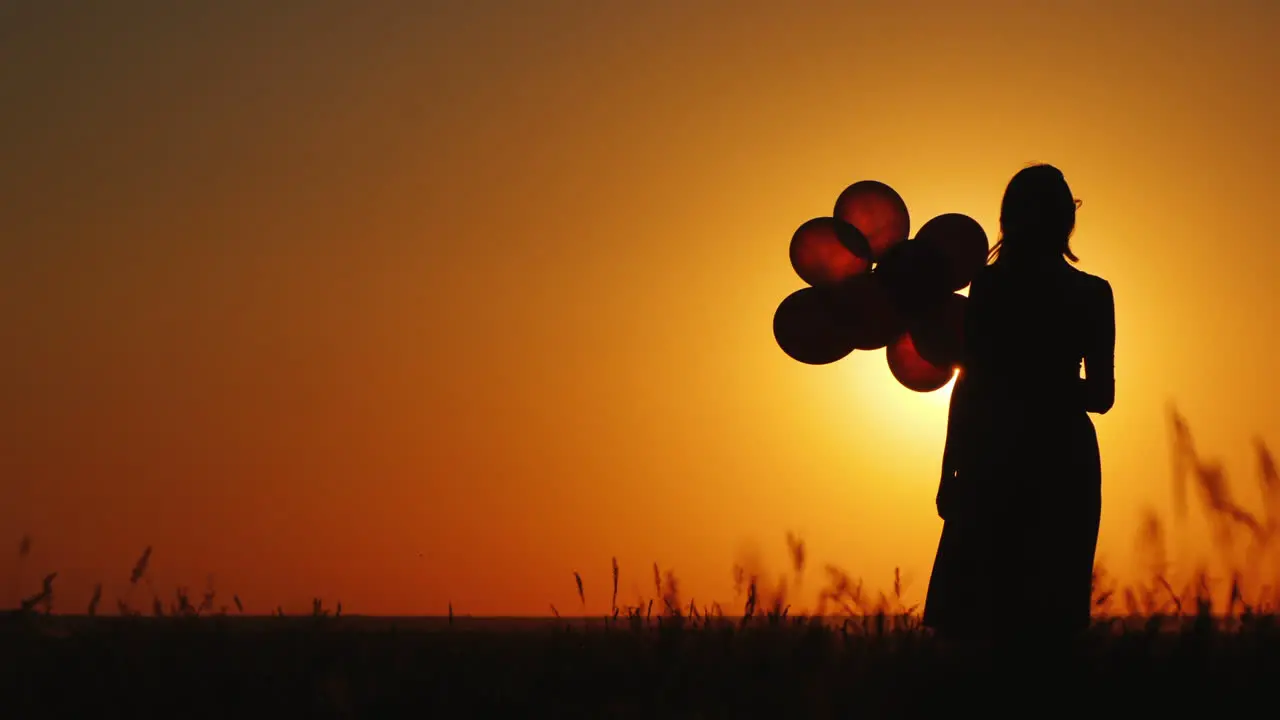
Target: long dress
1020, 494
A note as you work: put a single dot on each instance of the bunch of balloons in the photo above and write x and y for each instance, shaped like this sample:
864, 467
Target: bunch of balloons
871, 286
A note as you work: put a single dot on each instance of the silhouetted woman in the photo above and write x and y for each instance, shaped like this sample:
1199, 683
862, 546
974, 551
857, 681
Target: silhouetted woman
1020, 493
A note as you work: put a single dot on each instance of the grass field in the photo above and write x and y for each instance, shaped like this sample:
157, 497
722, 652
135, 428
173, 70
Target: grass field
637, 663
1160, 648
1152, 649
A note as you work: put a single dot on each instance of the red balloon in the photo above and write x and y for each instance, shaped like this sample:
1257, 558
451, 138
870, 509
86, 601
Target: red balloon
938, 332
914, 275
912, 370
867, 312
808, 327
825, 251
961, 243
878, 211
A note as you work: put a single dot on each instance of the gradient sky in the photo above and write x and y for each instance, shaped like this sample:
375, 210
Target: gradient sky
400, 302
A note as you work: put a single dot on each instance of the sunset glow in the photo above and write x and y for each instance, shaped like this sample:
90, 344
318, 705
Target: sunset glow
442, 302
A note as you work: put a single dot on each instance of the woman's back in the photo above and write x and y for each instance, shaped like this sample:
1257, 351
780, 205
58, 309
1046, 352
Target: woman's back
1029, 329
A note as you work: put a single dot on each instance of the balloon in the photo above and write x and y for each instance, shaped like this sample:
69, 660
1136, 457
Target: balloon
961, 242
825, 251
878, 211
914, 275
808, 328
938, 332
869, 314
912, 370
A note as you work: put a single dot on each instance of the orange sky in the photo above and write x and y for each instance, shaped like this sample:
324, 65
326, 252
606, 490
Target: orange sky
405, 302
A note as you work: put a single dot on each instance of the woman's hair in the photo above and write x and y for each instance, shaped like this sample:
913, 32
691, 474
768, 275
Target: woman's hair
1037, 216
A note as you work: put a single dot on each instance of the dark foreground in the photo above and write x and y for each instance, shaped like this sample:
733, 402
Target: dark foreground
775, 668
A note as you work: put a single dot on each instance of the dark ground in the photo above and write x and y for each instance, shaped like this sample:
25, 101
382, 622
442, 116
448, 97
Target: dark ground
781, 668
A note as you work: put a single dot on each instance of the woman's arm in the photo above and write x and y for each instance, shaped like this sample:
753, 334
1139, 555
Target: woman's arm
1099, 383
957, 445
953, 448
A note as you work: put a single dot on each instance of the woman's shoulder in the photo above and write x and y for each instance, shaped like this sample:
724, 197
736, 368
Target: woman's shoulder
992, 274
1093, 282
986, 274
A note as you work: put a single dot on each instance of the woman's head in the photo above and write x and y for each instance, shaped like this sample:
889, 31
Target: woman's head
1037, 216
